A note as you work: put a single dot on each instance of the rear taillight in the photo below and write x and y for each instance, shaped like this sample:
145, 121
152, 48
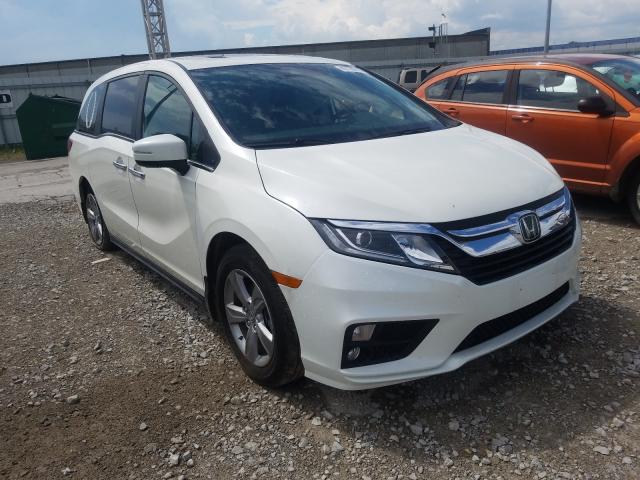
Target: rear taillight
69, 145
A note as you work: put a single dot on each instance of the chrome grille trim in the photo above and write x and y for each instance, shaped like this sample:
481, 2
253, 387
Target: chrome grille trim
512, 220
483, 240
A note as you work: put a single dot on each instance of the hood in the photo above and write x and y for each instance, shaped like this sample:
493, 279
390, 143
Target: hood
446, 175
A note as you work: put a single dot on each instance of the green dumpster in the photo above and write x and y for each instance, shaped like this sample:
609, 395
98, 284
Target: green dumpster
45, 125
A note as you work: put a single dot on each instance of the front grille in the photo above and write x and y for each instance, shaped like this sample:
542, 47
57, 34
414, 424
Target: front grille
492, 328
491, 268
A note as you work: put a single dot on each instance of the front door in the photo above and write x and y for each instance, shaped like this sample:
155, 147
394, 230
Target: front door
546, 117
165, 198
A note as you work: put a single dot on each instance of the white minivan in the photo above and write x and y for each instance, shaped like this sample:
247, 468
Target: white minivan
339, 227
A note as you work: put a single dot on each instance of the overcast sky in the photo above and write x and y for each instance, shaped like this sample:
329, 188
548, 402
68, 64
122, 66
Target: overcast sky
42, 30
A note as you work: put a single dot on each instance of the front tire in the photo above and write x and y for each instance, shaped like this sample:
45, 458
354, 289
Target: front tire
97, 228
256, 318
633, 197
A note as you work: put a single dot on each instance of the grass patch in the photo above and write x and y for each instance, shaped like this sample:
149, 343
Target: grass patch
11, 154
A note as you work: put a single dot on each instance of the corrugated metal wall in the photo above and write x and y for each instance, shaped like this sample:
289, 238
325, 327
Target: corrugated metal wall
72, 78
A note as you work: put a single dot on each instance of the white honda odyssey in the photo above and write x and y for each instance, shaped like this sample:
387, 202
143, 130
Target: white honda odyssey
339, 227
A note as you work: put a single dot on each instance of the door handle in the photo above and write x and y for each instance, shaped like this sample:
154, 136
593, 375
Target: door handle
137, 173
119, 164
522, 117
452, 111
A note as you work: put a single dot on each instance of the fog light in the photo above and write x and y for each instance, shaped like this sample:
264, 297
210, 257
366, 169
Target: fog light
363, 333
372, 343
353, 354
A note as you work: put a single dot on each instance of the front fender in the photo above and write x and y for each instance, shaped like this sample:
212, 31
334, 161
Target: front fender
232, 199
627, 153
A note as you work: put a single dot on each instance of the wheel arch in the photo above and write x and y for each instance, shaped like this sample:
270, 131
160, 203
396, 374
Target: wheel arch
84, 187
219, 244
623, 165
632, 168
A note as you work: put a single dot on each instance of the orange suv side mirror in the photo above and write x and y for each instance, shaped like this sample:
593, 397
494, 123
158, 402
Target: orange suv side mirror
595, 104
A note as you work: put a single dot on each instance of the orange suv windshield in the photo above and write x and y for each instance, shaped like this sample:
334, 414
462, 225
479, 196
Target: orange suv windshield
623, 72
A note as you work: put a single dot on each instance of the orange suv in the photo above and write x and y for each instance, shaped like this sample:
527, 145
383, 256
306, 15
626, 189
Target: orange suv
581, 111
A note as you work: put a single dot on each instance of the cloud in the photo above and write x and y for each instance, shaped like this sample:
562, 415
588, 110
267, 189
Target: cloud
76, 31
249, 39
514, 24
298, 21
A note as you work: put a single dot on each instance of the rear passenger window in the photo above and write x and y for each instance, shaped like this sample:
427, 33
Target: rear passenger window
410, 76
552, 89
165, 110
423, 75
438, 90
120, 106
481, 87
90, 109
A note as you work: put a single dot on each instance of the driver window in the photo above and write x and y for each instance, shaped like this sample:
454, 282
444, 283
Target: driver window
165, 110
552, 89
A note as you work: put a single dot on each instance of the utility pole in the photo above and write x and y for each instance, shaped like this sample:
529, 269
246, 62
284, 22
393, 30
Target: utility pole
156, 29
546, 36
432, 43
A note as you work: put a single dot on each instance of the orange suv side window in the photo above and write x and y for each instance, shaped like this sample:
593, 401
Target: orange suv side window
552, 89
440, 90
481, 87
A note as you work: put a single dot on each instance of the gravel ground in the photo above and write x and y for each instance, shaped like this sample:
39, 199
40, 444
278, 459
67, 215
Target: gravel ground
108, 372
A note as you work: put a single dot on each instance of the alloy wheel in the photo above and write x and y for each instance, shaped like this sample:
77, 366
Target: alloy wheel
94, 219
249, 318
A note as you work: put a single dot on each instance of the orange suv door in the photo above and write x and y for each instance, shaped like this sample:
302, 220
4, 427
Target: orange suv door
545, 116
479, 98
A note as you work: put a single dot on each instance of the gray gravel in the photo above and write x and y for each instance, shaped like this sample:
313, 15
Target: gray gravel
108, 372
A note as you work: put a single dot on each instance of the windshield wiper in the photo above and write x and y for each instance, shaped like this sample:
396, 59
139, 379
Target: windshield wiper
294, 142
408, 131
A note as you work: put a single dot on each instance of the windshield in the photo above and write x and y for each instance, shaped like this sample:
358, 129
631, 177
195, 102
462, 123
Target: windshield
289, 105
625, 72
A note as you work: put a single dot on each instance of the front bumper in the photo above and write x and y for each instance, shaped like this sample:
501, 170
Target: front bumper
339, 291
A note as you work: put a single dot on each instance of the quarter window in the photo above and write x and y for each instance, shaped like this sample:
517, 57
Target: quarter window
120, 106
552, 89
198, 148
481, 87
89, 111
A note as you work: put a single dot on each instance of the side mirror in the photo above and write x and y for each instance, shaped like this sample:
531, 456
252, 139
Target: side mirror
160, 151
595, 104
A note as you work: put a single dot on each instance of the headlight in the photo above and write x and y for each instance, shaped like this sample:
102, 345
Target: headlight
383, 242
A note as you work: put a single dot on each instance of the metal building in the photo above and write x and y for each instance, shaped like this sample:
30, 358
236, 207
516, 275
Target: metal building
71, 78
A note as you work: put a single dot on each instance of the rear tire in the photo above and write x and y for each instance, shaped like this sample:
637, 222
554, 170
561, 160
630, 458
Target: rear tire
98, 230
256, 319
633, 197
